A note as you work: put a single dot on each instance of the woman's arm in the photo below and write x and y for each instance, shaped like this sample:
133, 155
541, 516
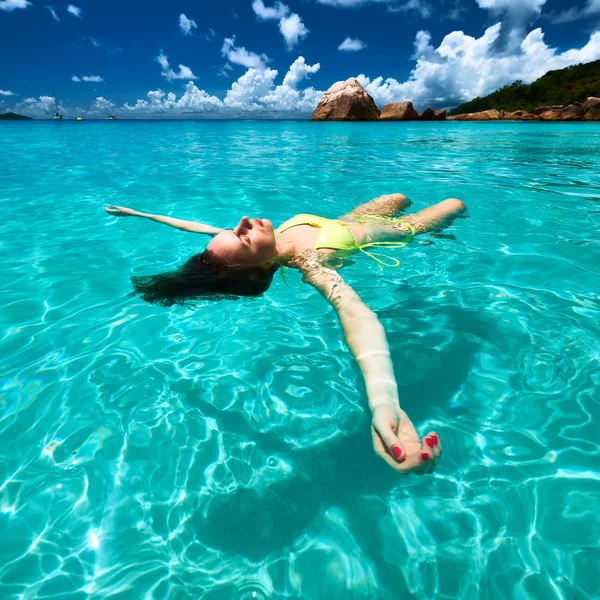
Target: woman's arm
191, 226
394, 436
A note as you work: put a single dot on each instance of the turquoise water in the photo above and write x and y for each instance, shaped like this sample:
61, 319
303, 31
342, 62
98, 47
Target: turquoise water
224, 452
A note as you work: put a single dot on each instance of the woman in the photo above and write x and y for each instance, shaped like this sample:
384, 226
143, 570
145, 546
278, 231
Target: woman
241, 262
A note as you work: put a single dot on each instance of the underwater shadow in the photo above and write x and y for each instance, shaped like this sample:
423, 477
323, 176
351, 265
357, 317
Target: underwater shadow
255, 523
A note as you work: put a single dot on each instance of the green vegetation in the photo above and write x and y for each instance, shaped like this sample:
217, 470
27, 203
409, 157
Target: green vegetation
10, 116
573, 84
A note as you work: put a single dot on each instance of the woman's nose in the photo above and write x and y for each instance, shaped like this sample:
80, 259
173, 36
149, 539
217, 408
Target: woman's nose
245, 223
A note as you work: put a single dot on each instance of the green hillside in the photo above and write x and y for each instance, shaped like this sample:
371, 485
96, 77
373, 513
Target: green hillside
11, 116
573, 84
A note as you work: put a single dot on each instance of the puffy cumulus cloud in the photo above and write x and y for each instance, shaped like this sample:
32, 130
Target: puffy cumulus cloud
255, 93
241, 56
516, 16
169, 74
463, 67
299, 71
74, 10
265, 13
38, 108
10, 5
6, 93
293, 29
75, 79
186, 25
291, 26
193, 102
351, 45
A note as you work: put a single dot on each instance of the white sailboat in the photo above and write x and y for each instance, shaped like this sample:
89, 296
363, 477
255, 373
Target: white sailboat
56, 114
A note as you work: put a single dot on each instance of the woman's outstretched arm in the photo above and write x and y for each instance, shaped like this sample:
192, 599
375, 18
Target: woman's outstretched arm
394, 437
191, 226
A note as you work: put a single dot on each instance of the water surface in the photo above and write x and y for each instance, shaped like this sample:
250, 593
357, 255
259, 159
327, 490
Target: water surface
224, 451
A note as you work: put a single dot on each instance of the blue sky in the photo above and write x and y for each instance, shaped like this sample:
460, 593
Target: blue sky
224, 58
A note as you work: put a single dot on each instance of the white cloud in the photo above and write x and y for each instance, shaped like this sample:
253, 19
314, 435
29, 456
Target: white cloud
87, 78
6, 93
278, 11
169, 74
74, 10
351, 45
299, 71
53, 13
186, 25
516, 17
591, 9
463, 67
241, 56
293, 29
40, 108
255, 92
10, 5
102, 105
420, 6
291, 26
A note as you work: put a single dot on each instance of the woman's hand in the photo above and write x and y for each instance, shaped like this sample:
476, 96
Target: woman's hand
120, 211
396, 440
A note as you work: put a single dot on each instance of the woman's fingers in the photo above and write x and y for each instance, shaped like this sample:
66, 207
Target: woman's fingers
393, 445
430, 451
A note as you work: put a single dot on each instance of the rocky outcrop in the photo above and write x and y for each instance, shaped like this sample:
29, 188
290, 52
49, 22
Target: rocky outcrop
588, 111
440, 115
399, 111
428, 114
591, 103
484, 115
519, 115
591, 109
346, 101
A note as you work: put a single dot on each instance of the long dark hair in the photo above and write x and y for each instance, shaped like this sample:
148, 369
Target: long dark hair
203, 277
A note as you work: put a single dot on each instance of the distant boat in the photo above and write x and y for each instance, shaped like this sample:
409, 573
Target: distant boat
56, 114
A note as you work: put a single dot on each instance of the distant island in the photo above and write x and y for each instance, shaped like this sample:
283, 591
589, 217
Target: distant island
11, 116
573, 85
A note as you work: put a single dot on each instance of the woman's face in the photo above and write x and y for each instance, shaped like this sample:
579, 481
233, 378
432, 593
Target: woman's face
251, 242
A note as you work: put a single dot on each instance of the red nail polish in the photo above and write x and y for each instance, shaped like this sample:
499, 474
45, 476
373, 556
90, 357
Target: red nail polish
429, 441
424, 456
396, 451
434, 437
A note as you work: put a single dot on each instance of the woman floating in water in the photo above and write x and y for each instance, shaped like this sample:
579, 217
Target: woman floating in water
241, 262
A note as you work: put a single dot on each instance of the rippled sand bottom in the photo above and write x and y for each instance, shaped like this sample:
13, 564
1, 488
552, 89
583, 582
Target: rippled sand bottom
224, 452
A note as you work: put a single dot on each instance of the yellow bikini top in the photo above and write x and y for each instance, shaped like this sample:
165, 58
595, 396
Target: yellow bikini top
335, 235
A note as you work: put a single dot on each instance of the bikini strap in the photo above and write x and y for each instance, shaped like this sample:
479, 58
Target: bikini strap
394, 262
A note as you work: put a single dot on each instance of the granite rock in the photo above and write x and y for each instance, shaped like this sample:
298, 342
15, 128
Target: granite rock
346, 101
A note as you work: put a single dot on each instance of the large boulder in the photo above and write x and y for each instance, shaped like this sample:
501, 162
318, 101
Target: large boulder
542, 109
592, 114
591, 103
399, 111
518, 115
552, 114
346, 101
440, 115
428, 114
573, 112
484, 115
